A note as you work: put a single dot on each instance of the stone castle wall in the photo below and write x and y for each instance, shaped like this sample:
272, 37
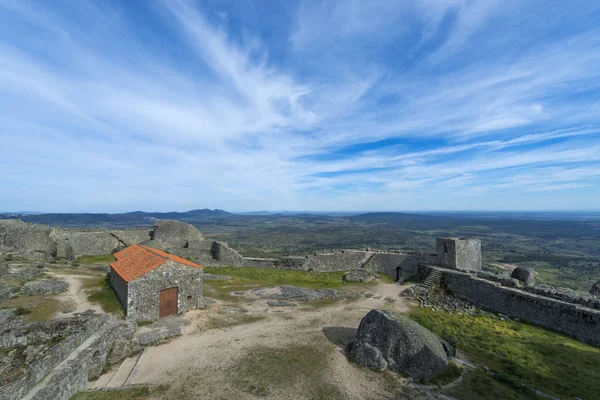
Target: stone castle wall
574, 320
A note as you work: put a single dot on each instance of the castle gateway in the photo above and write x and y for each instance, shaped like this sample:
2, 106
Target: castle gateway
152, 284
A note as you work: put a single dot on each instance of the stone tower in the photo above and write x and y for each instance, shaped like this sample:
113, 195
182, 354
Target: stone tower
459, 253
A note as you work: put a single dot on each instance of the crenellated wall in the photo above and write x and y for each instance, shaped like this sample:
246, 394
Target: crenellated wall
572, 319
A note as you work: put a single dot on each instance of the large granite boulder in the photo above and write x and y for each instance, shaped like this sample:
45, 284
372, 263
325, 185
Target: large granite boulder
385, 340
525, 275
16, 235
595, 290
175, 234
358, 275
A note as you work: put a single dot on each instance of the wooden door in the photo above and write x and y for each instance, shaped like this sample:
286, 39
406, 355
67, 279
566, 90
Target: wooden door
168, 302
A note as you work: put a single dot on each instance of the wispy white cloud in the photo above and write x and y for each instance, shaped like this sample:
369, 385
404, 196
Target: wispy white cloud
114, 110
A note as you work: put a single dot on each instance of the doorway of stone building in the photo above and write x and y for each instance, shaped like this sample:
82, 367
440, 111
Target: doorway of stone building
168, 302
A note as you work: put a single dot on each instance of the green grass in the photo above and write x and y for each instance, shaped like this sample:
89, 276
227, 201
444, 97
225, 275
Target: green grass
452, 373
520, 353
304, 368
246, 278
274, 277
22, 311
106, 297
34, 308
89, 259
137, 393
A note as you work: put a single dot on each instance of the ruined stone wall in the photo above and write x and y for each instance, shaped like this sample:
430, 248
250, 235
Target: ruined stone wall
131, 236
120, 287
574, 320
95, 242
143, 293
225, 254
341, 260
399, 266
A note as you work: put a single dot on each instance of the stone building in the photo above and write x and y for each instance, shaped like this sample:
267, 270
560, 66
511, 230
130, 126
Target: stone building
152, 284
459, 253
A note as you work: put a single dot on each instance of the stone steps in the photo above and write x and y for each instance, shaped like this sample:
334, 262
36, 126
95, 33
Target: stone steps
434, 278
121, 375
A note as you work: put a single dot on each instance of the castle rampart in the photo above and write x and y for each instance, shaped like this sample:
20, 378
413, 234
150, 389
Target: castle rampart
574, 320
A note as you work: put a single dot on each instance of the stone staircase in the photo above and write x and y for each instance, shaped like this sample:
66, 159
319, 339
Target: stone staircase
433, 279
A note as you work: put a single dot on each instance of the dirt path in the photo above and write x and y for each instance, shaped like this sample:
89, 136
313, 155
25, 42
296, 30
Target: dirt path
197, 363
75, 297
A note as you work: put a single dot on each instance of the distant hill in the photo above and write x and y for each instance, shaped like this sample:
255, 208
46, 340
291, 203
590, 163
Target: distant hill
130, 219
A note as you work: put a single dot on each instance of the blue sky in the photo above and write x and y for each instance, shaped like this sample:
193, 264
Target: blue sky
299, 105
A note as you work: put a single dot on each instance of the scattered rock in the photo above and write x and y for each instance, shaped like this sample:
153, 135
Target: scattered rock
525, 275
158, 332
595, 290
510, 282
281, 303
390, 300
44, 286
403, 344
358, 275
368, 295
301, 294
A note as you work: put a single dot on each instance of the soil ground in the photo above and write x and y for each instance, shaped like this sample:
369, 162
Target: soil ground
272, 352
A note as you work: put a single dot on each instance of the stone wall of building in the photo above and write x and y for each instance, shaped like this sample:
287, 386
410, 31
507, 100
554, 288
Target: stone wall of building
574, 320
143, 293
120, 287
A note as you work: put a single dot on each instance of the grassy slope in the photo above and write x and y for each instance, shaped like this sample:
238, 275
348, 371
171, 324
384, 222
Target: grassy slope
87, 259
104, 295
548, 361
245, 278
274, 277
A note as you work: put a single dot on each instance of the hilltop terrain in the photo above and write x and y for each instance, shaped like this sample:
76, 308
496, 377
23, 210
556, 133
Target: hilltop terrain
564, 251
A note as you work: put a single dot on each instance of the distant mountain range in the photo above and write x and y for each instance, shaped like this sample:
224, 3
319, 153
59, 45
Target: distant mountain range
221, 217
133, 219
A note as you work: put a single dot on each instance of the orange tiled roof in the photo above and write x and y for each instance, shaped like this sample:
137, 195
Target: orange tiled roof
136, 260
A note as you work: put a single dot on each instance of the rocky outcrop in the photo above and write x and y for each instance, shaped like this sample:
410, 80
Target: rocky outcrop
387, 341
175, 234
44, 286
16, 235
595, 290
358, 275
525, 275
300, 294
